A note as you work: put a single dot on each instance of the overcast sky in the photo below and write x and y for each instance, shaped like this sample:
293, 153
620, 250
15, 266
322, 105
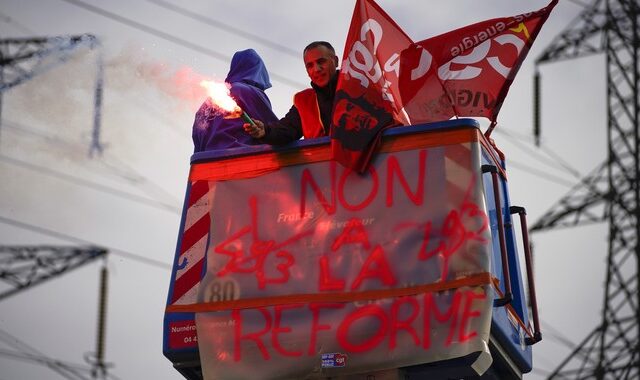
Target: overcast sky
128, 199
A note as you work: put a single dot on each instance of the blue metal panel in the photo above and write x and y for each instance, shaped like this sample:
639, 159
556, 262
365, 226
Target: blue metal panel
504, 327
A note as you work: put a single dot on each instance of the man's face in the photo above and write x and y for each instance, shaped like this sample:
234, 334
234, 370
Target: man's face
321, 65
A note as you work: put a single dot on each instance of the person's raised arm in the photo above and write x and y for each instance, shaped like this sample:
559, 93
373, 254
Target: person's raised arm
287, 130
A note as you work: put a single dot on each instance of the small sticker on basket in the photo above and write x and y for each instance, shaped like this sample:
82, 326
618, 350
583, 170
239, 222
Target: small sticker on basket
334, 360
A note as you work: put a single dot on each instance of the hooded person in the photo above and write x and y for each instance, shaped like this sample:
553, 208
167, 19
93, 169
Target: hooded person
248, 78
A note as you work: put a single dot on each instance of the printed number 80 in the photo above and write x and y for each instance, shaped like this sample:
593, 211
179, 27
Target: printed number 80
223, 291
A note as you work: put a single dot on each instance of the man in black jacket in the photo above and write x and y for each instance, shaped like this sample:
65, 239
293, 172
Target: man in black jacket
310, 115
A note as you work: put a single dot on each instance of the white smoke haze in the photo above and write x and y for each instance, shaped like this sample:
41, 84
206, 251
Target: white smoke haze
50, 124
58, 98
180, 83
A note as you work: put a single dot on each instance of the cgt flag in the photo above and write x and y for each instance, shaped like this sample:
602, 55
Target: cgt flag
468, 71
367, 96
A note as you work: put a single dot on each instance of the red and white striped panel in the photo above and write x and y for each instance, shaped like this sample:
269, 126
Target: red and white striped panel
463, 178
458, 172
194, 245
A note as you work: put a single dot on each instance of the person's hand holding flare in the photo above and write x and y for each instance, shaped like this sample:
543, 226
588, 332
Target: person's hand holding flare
255, 130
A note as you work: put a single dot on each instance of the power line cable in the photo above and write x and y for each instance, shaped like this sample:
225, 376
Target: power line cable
9, 20
575, 172
138, 180
554, 333
556, 161
89, 184
28, 353
73, 239
56, 140
67, 370
227, 28
179, 41
128, 174
17, 344
541, 174
64, 370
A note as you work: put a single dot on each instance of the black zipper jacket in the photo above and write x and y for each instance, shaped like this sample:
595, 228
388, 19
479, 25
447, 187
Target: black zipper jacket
289, 128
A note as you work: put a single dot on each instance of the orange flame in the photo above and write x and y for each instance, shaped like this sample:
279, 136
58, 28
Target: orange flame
221, 97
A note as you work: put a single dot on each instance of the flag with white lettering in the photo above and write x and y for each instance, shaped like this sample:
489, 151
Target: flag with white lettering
367, 96
468, 71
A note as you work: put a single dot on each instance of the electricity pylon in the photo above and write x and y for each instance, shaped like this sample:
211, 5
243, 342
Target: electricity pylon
21, 59
611, 192
24, 266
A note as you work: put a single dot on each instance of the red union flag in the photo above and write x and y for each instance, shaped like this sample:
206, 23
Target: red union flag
367, 96
468, 71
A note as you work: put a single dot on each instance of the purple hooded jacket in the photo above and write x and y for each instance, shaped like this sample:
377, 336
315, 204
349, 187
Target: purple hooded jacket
249, 78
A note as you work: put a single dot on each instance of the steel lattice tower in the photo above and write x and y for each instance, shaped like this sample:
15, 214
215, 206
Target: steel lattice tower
611, 192
21, 59
21, 267
24, 266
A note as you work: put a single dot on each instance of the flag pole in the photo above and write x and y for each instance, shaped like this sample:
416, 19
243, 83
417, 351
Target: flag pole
490, 129
487, 135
